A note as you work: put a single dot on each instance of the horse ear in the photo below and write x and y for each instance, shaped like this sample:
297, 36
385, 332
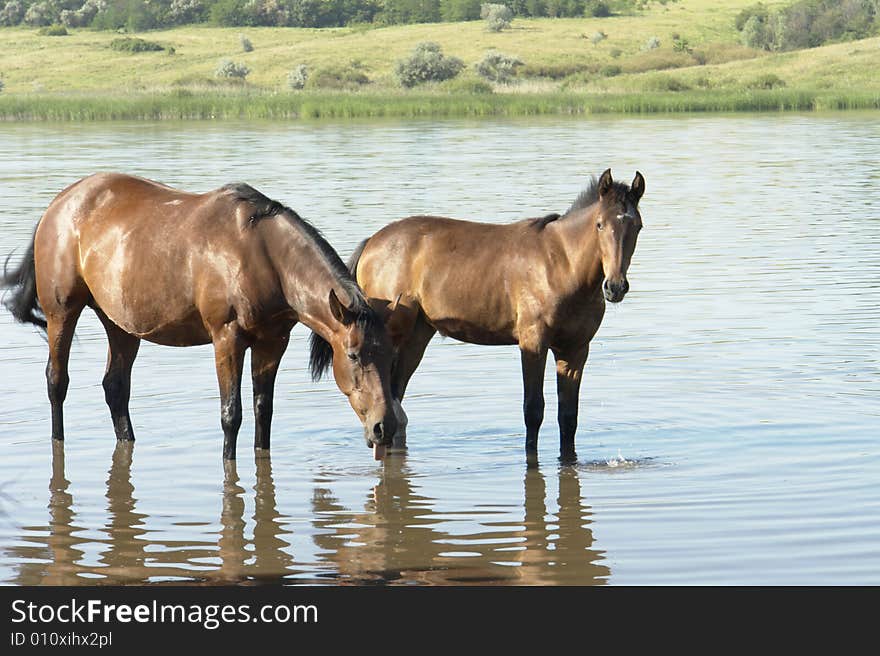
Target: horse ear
637, 188
605, 183
341, 313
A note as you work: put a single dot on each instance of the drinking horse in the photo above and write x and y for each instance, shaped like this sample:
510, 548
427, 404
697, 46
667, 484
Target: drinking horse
539, 283
229, 267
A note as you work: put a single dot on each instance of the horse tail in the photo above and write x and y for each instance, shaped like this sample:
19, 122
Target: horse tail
320, 351
22, 299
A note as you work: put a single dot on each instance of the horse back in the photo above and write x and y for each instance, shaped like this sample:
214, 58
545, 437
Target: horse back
156, 260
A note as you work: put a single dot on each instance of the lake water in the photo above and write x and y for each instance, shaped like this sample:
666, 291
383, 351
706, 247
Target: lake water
739, 445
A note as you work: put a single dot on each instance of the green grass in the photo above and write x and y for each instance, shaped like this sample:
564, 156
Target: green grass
218, 105
79, 77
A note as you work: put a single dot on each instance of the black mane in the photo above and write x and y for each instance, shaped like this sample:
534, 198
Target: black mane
262, 207
590, 195
366, 318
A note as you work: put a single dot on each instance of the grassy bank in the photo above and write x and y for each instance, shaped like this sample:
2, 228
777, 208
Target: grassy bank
218, 106
566, 71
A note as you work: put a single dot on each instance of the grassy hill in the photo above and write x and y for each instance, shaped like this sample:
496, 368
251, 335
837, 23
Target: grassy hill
566, 69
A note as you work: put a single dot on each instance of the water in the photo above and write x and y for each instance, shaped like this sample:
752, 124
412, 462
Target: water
729, 414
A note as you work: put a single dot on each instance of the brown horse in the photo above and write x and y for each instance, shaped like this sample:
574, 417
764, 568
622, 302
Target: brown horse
538, 283
230, 267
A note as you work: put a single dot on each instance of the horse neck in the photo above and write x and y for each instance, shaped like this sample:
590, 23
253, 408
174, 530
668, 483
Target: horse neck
307, 274
576, 237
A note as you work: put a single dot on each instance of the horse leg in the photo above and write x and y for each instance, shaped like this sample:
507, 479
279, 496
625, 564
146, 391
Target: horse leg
533, 362
121, 354
229, 348
409, 356
569, 371
265, 358
59, 332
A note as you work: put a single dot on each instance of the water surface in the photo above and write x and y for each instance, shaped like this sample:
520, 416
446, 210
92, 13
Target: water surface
729, 413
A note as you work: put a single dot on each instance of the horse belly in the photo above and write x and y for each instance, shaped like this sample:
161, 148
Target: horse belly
473, 332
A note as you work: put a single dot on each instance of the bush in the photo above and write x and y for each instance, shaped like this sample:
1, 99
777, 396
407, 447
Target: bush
246, 44
599, 9
427, 64
666, 83
498, 67
459, 10
12, 13
497, 17
298, 77
135, 44
338, 77
651, 44
467, 85
680, 44
229, 69
553, 71
53, 30
743, 17
610, 70
598, 37
40, 13
767, 81
755, 34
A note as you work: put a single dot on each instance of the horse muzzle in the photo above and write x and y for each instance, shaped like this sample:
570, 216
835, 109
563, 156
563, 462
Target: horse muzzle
615, 291
381, 432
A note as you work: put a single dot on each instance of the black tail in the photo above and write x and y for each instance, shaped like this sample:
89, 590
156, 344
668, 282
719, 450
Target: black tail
22, 282
320, 351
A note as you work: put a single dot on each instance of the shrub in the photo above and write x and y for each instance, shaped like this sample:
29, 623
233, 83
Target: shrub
427, 63
83, 16
743, 17
12, 13
756, 34
598, 37
298, 77
497, 17
552, 71
467, 85
246, 44
40, 13
651, 44
229, 69
135, 44
338, 77
498, 67
599, 9
666, 83
610, 70
680, 44
767, 81
53, 30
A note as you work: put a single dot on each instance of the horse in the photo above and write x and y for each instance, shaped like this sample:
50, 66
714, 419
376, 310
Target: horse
539, 283
229, 267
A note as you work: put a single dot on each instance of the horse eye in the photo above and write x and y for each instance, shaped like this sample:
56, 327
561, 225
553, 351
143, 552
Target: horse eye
598, 225
352, 356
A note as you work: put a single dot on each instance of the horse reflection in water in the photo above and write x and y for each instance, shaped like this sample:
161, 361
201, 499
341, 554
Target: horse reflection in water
132, 554
398, 538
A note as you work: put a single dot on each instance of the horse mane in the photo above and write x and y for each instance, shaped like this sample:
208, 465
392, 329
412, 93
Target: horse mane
366, 318
590, 195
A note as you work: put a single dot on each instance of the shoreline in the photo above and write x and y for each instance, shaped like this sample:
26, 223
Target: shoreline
315, 106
